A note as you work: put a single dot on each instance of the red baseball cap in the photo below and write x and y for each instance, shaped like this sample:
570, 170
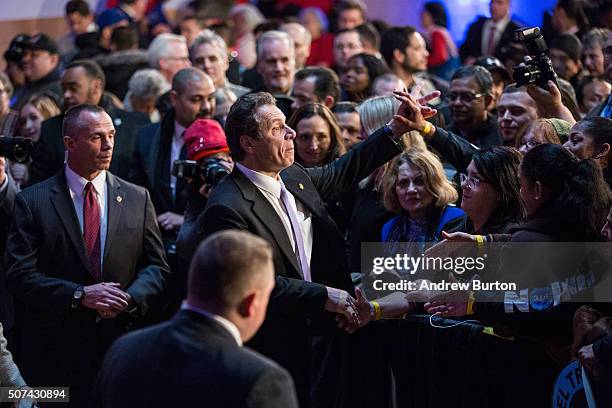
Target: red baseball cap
205, 137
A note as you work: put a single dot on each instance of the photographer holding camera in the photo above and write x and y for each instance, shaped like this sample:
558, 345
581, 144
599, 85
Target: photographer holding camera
208, 161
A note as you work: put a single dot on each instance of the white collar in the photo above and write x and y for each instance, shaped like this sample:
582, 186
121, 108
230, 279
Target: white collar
261, 181
77, 183
229, 326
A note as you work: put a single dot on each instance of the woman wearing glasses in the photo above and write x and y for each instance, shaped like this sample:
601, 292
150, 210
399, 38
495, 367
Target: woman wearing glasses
543, 131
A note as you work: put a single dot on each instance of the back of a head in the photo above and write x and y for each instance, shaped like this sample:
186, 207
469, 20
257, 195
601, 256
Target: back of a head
369, 36
147, 83
579, 192
395, 38
124, 38
438, 13
227, 266
574, 10
376, 112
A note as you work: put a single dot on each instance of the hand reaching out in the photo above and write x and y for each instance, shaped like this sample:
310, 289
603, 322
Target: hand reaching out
365, 312
340, 302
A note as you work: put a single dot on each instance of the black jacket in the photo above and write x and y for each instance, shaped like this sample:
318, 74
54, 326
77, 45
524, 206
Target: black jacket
119, 67
472, 46
486, 135
48, 154
151, 165
7, 203
190, 360
49, 84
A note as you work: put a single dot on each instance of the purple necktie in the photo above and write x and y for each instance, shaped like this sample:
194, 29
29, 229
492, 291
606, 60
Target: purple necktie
300, 251
91, 229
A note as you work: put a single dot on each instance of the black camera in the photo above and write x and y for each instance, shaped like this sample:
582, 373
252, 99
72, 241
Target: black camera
537, 68
211, 170
16, 148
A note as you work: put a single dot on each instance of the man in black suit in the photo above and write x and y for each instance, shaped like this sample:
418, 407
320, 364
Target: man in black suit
85, 257
7, 202
199, 357
270, 196
487, 36
83, 83
160, 144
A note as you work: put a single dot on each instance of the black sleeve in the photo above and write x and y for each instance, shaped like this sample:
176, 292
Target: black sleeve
153, 275
45, 160
23, 279
603, 350
289, 295
467, 48
455, 149
273, 389
339, 177
137, 172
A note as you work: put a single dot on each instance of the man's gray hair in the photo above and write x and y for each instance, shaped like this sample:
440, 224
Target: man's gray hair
273, 35
209, 37
301, 28
147, 83
160, 47
251, 14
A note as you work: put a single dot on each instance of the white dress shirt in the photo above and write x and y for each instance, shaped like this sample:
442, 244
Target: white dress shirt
229, 326
271, 189
175, 153
76, 185
500, 27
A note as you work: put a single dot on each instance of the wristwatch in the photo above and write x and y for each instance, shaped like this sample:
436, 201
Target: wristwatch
77, 297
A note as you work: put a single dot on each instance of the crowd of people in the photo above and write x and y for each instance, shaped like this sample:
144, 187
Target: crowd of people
206, 179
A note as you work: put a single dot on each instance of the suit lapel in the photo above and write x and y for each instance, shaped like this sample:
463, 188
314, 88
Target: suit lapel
115, 200
62, 202
267, 215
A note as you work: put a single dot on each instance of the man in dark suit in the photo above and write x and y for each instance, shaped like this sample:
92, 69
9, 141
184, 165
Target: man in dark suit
85, 257
199, 357
282, 202
7, 202
160, 144
487, 36
83, 83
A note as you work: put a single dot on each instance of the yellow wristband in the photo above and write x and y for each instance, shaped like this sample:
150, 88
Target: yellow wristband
480, 243
470, 304
427, 129
377, 312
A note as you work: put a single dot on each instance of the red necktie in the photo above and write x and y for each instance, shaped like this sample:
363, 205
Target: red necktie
491, 42
91, 229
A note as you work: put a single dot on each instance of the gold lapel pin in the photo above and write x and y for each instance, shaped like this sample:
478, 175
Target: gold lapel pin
301, 186
119, 199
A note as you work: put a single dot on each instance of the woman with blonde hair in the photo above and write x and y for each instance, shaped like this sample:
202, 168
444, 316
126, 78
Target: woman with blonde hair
37, 109
416, 188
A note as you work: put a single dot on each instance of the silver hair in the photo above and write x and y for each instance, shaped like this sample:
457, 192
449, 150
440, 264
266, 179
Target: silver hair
147, 83
209, 37
305, 32
252, 15
160, 47
270, 36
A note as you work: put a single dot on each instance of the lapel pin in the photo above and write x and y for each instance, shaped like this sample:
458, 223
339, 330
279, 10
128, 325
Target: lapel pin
119, 199
301, 186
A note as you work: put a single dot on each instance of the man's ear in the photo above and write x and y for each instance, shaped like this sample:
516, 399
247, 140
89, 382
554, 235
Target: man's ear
539, 190
329, 101
173, 97
488, 100
398, 56
68, 143
248, 305
246, 143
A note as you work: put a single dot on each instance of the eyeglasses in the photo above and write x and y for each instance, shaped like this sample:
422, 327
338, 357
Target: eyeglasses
531, 144
465, 97
470, 181
183, 59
